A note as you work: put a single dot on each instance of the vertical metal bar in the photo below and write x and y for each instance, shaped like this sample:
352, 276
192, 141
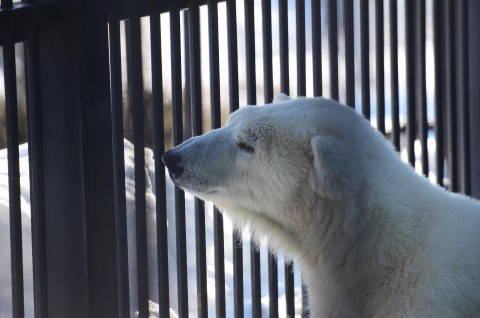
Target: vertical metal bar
176, 70
119, 169
255, 280
410, 15
272, 284
196, 120
37, 189
317, 48
187, 110
284, 60
213, 47
380, 65
394, 74
285, 88
252, 100
267, 50
365, 58
202, 297
250, 52
15, 215
420, 84
349, 53
219, 262
289, 289
215, 115
232, 55
450, 98
333, 47
268, 96
98, 155
463, 92
233, 105
64, 236
160, 189
135, 85
473, 25
438, 25
301, 67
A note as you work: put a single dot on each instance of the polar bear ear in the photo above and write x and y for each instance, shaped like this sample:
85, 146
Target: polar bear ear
335, 172
281, 98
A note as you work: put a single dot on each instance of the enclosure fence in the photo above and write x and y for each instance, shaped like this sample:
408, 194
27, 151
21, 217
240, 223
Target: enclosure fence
80, 77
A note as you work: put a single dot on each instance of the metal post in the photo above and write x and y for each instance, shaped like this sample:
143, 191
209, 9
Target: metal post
71, 111
473, 10
64, 272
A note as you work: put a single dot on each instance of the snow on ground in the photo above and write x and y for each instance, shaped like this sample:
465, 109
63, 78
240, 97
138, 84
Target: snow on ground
5, 279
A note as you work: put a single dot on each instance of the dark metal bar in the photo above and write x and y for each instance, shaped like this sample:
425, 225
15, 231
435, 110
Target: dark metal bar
284, 60
219, 263
272, 284
268, 97
250, 52
410, 15
74, 157
365, 58
37, 190
232, 55
238, 274
349, 53
119, 169
289, 289
394, 74
215, 115
196, 120
285, 88
301, 63
252, 100
473, 25
233, 105
202, 300
317, 48
176, 69
159, 149
380, 65
463, 92
333, 47
15, 215
267, 50
255, 280
450, 98
135, 85
438, 25
97, 155
187, 110
420, 84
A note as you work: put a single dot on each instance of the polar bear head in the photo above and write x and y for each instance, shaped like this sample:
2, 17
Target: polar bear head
274, 167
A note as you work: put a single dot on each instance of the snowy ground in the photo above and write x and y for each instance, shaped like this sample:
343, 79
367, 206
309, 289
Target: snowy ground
5, 281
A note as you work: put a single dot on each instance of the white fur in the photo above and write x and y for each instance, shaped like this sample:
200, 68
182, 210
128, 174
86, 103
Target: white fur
374, 239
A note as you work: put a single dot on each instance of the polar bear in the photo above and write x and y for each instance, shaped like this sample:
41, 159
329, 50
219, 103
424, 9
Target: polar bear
373, 238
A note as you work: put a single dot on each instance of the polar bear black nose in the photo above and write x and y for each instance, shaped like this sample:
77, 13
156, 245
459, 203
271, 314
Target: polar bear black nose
172, 162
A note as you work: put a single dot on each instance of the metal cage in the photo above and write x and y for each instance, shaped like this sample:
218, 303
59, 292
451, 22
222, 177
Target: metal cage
84, 81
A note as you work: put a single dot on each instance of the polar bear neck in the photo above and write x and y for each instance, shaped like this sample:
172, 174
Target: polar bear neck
350, 235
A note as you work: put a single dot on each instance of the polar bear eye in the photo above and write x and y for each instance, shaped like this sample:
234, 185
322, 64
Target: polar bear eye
245, 147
